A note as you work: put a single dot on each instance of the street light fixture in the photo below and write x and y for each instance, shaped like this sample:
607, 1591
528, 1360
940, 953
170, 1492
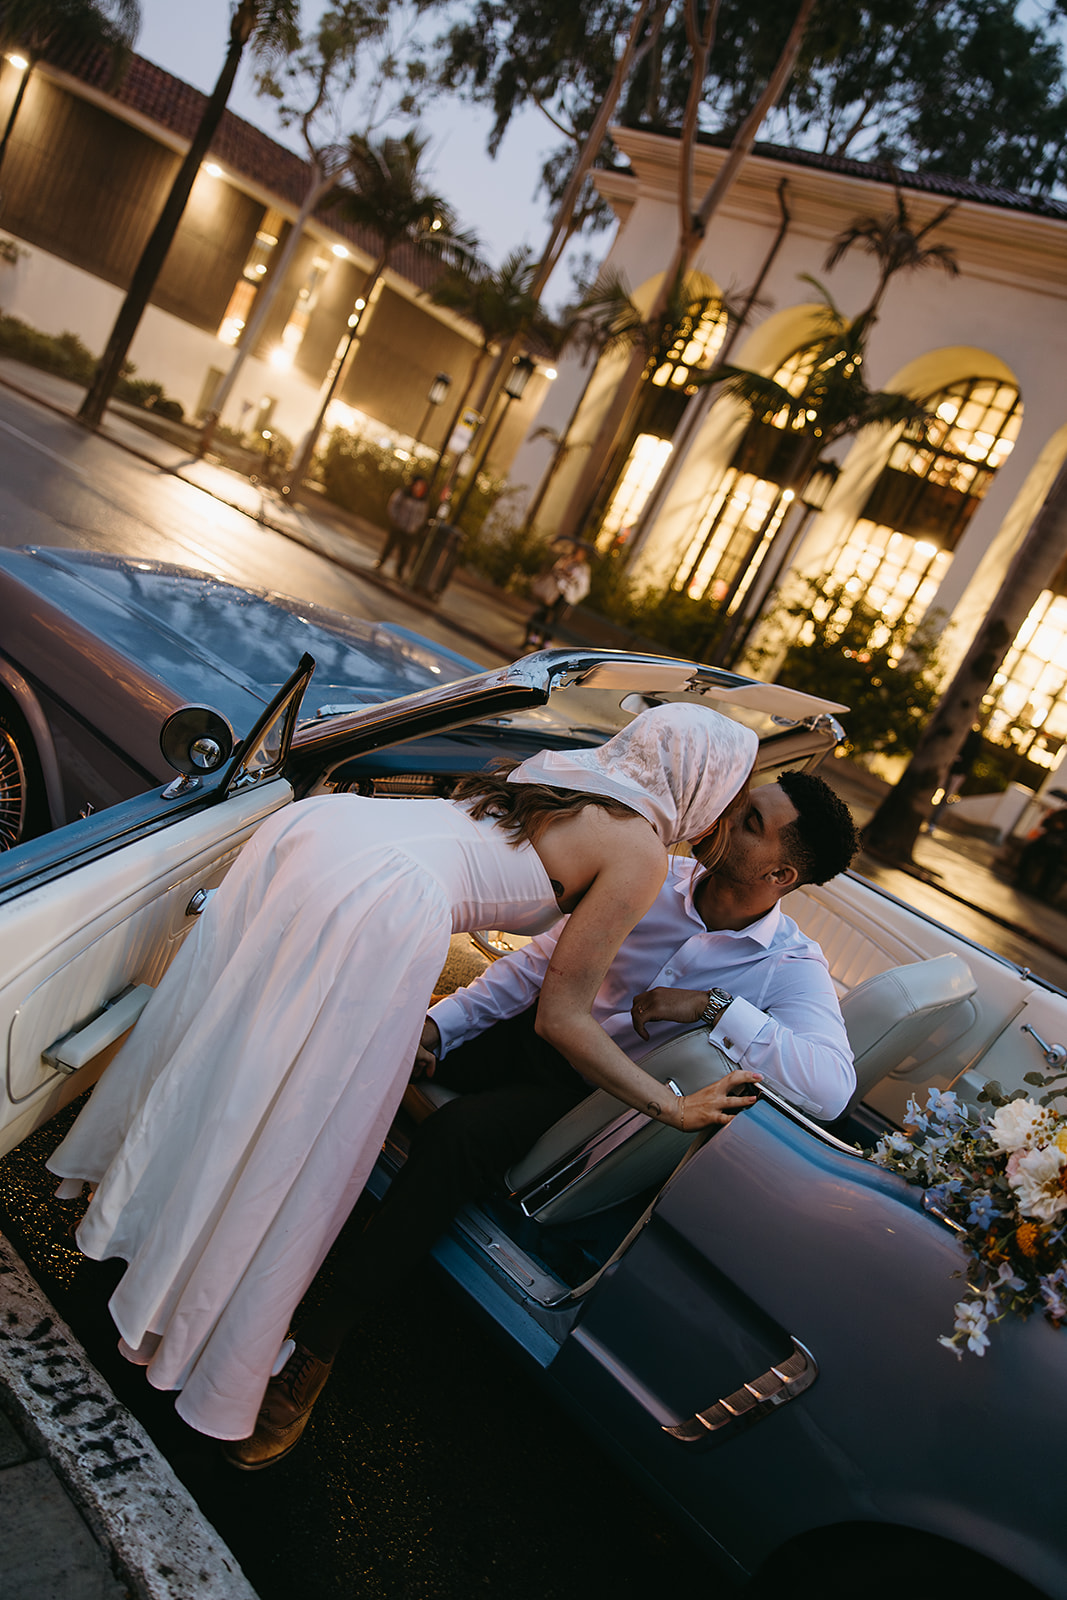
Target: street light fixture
438, 389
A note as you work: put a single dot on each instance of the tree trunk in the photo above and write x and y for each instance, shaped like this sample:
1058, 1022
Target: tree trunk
152, 257
13, 113
320, 185
652, 11
895, 826
619, 412
340, 368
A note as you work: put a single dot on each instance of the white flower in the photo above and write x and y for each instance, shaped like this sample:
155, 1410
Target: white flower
1021, 1123
971, 1324
1036, 1181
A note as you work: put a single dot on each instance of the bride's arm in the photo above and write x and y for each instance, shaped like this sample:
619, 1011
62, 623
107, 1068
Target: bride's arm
628, 868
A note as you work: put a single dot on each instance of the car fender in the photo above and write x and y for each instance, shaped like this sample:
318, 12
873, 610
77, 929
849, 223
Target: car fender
29, 708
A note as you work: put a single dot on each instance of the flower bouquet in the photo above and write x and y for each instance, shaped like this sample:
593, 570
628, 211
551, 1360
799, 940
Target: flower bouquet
1001, 1182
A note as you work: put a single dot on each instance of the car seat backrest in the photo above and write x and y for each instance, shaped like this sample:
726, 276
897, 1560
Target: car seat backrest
891, 1016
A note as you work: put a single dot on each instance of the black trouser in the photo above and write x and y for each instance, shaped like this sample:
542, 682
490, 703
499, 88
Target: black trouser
513, 1085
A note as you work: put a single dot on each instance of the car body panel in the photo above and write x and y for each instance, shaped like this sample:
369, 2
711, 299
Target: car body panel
769, 1233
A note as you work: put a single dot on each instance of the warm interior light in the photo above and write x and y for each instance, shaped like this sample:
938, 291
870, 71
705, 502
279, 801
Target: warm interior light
19, 61
360, 304
340, 252
281, 358
549, 373
212, 169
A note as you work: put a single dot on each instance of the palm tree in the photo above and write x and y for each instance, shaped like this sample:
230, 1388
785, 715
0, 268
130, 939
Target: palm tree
895, 826
897, 245
35, 26
693, 228
326, 69
388, 197
271, 25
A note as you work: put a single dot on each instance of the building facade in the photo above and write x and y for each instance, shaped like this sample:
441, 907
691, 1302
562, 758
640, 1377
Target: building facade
920, 522
85, 175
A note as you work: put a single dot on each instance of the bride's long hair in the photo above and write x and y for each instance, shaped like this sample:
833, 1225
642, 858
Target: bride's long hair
524, 810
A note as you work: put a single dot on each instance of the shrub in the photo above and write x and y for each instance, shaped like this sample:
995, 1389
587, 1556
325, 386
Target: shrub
360, 476
888, 674
506, 553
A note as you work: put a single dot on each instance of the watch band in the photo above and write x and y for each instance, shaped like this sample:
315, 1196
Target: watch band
718, 1001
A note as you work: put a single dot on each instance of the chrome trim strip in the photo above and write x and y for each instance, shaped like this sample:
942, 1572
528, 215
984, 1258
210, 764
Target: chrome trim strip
574, 1167
753, 1401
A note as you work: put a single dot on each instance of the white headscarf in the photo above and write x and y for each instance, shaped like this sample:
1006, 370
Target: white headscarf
679, 765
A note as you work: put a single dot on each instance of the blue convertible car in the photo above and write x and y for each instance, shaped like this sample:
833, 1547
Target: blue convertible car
750, 1320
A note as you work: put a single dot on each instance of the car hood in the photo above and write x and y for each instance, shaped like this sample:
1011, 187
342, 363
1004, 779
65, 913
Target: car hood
228, 646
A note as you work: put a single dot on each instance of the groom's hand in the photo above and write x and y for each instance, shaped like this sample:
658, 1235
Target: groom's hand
667, 1005
426, 1055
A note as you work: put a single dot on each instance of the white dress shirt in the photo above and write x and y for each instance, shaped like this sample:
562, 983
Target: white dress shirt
784, 1022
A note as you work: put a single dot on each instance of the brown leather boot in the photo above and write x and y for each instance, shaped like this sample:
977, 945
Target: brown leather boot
284, 1414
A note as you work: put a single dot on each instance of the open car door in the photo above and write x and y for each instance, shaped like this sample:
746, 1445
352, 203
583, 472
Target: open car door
91, 915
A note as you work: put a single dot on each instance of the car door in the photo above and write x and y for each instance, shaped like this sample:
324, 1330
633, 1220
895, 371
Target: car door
767, 1352
92, 914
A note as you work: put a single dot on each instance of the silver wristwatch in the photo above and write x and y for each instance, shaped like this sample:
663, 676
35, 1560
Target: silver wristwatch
718, 1000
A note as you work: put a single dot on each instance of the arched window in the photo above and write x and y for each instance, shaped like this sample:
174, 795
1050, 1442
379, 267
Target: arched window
1026, 705
695, 343
748, 507
899, 551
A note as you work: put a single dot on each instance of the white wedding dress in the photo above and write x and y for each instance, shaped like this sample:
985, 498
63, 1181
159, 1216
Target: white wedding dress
232, 1135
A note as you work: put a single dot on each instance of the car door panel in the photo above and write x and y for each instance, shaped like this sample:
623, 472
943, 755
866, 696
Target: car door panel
74, 943
771, 1234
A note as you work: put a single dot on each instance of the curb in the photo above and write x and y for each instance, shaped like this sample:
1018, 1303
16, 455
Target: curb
132, 1501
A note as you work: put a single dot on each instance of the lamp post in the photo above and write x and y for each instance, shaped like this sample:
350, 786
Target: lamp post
522, 370
438, 390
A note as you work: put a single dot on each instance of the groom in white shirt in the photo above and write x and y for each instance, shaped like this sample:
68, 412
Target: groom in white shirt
714, 947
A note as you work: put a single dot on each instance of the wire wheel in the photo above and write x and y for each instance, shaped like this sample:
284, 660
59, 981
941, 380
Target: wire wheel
13, 791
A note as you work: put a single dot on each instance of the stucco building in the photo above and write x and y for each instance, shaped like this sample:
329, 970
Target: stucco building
704, 499
86, 172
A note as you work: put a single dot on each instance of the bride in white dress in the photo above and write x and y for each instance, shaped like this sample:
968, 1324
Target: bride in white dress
230, 1138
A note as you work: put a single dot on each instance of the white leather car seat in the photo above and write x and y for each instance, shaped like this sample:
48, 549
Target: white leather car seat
894, 1013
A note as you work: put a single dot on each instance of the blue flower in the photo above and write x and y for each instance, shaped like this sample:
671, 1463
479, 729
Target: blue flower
944, 1107
914, 1116
982, 1212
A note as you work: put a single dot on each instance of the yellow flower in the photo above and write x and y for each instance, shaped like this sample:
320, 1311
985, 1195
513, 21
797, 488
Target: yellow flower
1028, 1238
1060, 1141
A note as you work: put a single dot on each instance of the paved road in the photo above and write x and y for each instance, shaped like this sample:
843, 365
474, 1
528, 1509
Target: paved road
435, 1466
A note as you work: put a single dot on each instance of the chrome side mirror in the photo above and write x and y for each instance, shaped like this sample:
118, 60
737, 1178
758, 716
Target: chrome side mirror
194, 740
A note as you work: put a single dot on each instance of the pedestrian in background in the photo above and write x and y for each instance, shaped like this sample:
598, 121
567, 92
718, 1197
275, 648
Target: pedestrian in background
562, 585
407, 510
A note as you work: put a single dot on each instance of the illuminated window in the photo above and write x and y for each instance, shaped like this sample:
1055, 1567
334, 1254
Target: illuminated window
255, 268
735, 533
900, 550
306, 301
743, 520
638, 479
896, 575
698, 341
1026, 704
